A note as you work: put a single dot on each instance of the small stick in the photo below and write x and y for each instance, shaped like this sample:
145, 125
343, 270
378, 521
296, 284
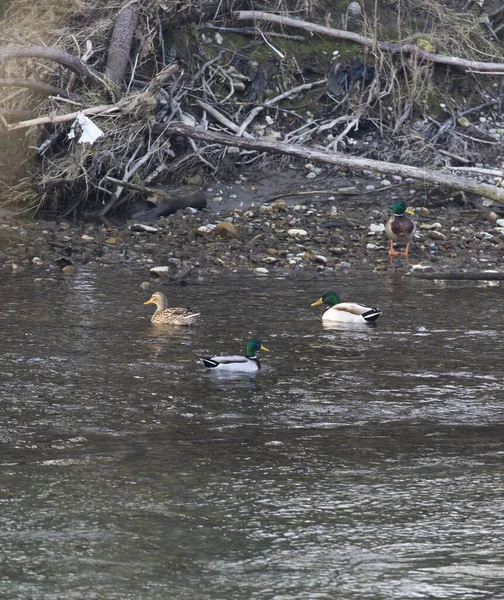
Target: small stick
222, 119
255, 111
455, 157
338, 192
495, 173
105, 109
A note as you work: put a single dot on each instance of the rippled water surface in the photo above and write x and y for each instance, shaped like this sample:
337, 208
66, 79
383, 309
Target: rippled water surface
358, 464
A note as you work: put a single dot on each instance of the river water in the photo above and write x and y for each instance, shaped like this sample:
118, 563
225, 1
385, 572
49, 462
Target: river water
358, 464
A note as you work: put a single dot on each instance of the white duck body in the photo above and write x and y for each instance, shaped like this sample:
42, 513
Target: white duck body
237, 364
232, 363
351, 312
346, 312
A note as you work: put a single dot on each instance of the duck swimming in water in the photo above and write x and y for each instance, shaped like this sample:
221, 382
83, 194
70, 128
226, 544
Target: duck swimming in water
170, 316
246, 364
346, 312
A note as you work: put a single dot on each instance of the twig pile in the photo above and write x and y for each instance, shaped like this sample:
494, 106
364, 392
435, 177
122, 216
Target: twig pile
137, 67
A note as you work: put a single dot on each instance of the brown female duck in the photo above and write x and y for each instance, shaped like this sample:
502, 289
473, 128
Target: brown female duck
170, 316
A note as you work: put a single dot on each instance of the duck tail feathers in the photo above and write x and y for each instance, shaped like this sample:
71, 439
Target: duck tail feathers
209, 363
371, 315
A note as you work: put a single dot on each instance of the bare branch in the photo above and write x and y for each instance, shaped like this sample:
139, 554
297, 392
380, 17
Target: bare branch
454, 61
105, 109
39, 86
70, 61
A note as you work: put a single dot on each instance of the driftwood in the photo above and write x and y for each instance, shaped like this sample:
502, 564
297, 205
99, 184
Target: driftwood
460, 275
195, 200
335, 158
409, 49
166, 202
120, 43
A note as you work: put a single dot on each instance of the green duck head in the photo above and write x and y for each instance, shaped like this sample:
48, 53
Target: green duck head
329, 298
399, 208
252, 347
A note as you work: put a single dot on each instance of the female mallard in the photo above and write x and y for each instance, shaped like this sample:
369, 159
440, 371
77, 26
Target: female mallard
400, 228
248, 363
170, 316
346, 312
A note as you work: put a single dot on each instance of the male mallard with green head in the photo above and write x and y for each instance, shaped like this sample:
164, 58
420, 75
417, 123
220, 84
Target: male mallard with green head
400, 228
245, 364
170, 316
346, 312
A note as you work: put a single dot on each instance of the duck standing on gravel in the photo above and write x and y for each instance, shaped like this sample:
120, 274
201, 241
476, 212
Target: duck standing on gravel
170, 316
346, 312
400, 229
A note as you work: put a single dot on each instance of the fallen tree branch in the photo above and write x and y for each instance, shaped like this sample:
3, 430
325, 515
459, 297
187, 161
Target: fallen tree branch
102, 110
39, 86
244, 15
429, 176
460, 275
62, 57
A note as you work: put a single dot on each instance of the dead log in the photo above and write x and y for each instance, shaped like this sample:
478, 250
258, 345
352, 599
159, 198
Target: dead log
431, 176
166, 202
460, 275
120, 43
410, 49
169, 207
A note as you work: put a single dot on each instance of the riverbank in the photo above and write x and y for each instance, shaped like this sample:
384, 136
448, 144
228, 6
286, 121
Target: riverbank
240, 231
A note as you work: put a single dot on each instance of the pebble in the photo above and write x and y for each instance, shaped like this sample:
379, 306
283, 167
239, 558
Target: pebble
261, 271
377, 228
297, 232
437, 235
161, 271
430, 226
225, 230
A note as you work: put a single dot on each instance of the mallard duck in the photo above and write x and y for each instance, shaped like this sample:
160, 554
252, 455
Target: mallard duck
170, 316
248, 363
400, 228
346, 312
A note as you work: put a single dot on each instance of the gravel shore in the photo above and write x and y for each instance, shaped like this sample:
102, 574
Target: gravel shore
320, 233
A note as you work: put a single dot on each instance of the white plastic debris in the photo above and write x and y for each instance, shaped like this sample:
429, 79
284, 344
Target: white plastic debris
142, 227
90, 131
377, 228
